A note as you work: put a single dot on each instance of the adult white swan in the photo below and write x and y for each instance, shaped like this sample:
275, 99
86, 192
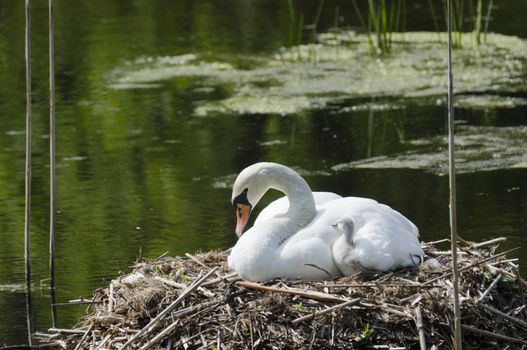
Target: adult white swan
299, 240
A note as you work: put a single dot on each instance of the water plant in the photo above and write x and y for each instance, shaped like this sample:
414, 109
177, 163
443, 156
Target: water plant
479, 19
457, 21
297, 27
384, 18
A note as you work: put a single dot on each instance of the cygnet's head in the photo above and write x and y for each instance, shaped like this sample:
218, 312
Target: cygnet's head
346, 225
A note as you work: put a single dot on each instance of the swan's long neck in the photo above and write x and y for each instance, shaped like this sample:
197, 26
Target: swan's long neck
257, 255
302, 207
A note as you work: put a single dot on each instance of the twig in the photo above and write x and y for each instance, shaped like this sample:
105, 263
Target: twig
103, 341
373, 285
426, 244
385, 307
490, 288
66, 331
311, 295
193, 258
448, 252
110, 298
229, 277
471, 265
190, 309
251, 332
452, 186
107, 319
199, 262
169, 282
184, 341
88, 331
27, 174
161, 256
331, 277
326, 311
504, 315
160, 336
78, 302
52, 171
149, 327
51, 345
420, 327
489, 242
492, 334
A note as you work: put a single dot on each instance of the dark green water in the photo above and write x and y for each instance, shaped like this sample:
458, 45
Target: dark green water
139, 173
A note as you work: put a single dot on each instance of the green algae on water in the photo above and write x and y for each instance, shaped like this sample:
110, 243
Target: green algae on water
340, 65
478, 148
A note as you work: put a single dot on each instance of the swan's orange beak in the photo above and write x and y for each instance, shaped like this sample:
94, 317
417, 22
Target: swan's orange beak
242, 216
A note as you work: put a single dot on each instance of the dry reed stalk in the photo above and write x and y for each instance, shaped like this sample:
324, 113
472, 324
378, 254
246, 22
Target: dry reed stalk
326, 311
52, 172
311, 295
27, 175
493, 335
420, 327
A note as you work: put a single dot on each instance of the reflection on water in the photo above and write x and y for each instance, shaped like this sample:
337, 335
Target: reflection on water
138, 173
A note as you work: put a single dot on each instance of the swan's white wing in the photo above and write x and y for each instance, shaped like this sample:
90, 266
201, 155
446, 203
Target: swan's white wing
281, 205
383, 239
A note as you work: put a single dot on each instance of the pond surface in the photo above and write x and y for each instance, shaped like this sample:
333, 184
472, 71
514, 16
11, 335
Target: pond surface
160, 104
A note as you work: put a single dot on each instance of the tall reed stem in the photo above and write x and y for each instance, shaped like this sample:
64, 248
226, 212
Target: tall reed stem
52, 182
479, 18
452, 184
27, 220
487, 20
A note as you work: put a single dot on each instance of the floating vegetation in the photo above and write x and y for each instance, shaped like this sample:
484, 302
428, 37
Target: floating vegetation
224, 182
487, 101
478, 148
373, 106
13, 287
272, 143
283, 84
196, 302
227, 181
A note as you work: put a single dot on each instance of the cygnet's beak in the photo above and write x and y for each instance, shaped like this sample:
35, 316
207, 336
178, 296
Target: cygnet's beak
335, 225
242, 216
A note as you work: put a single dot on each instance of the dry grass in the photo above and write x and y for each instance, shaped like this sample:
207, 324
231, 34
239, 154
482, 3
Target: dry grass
404, 309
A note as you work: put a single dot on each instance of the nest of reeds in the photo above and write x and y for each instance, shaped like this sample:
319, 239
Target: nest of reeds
195, 302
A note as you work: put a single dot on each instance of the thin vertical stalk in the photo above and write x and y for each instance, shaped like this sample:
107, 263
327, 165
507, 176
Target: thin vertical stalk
312, 49
299, 36
336, 17
367, 27
487, 20
52, 182
434, 16
384, 25
403, 15
291, 9
452, 184
460, 10
479, 18
27, 220
317, 19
